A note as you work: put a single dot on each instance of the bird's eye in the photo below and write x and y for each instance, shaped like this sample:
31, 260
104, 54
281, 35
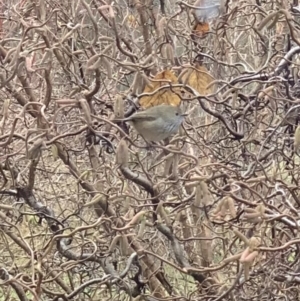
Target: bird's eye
176, 114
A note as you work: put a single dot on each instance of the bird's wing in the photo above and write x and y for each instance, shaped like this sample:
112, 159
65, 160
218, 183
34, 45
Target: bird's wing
138, 116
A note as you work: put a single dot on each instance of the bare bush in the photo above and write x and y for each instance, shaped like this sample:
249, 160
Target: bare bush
89, 211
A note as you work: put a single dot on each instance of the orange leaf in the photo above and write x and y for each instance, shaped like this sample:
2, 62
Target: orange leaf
165, 96
199, 79
200, 30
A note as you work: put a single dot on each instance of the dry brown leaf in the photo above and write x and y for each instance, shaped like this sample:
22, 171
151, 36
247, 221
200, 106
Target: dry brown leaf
200, 30
199, 79
165, 96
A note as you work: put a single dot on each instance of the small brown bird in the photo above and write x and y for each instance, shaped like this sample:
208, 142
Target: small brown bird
157, 123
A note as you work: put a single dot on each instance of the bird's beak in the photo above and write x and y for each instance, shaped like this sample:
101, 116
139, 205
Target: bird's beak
185, 114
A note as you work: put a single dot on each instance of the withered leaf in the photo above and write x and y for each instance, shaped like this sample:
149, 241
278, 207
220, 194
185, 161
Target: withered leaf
199, 79
200, 30
168, 96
